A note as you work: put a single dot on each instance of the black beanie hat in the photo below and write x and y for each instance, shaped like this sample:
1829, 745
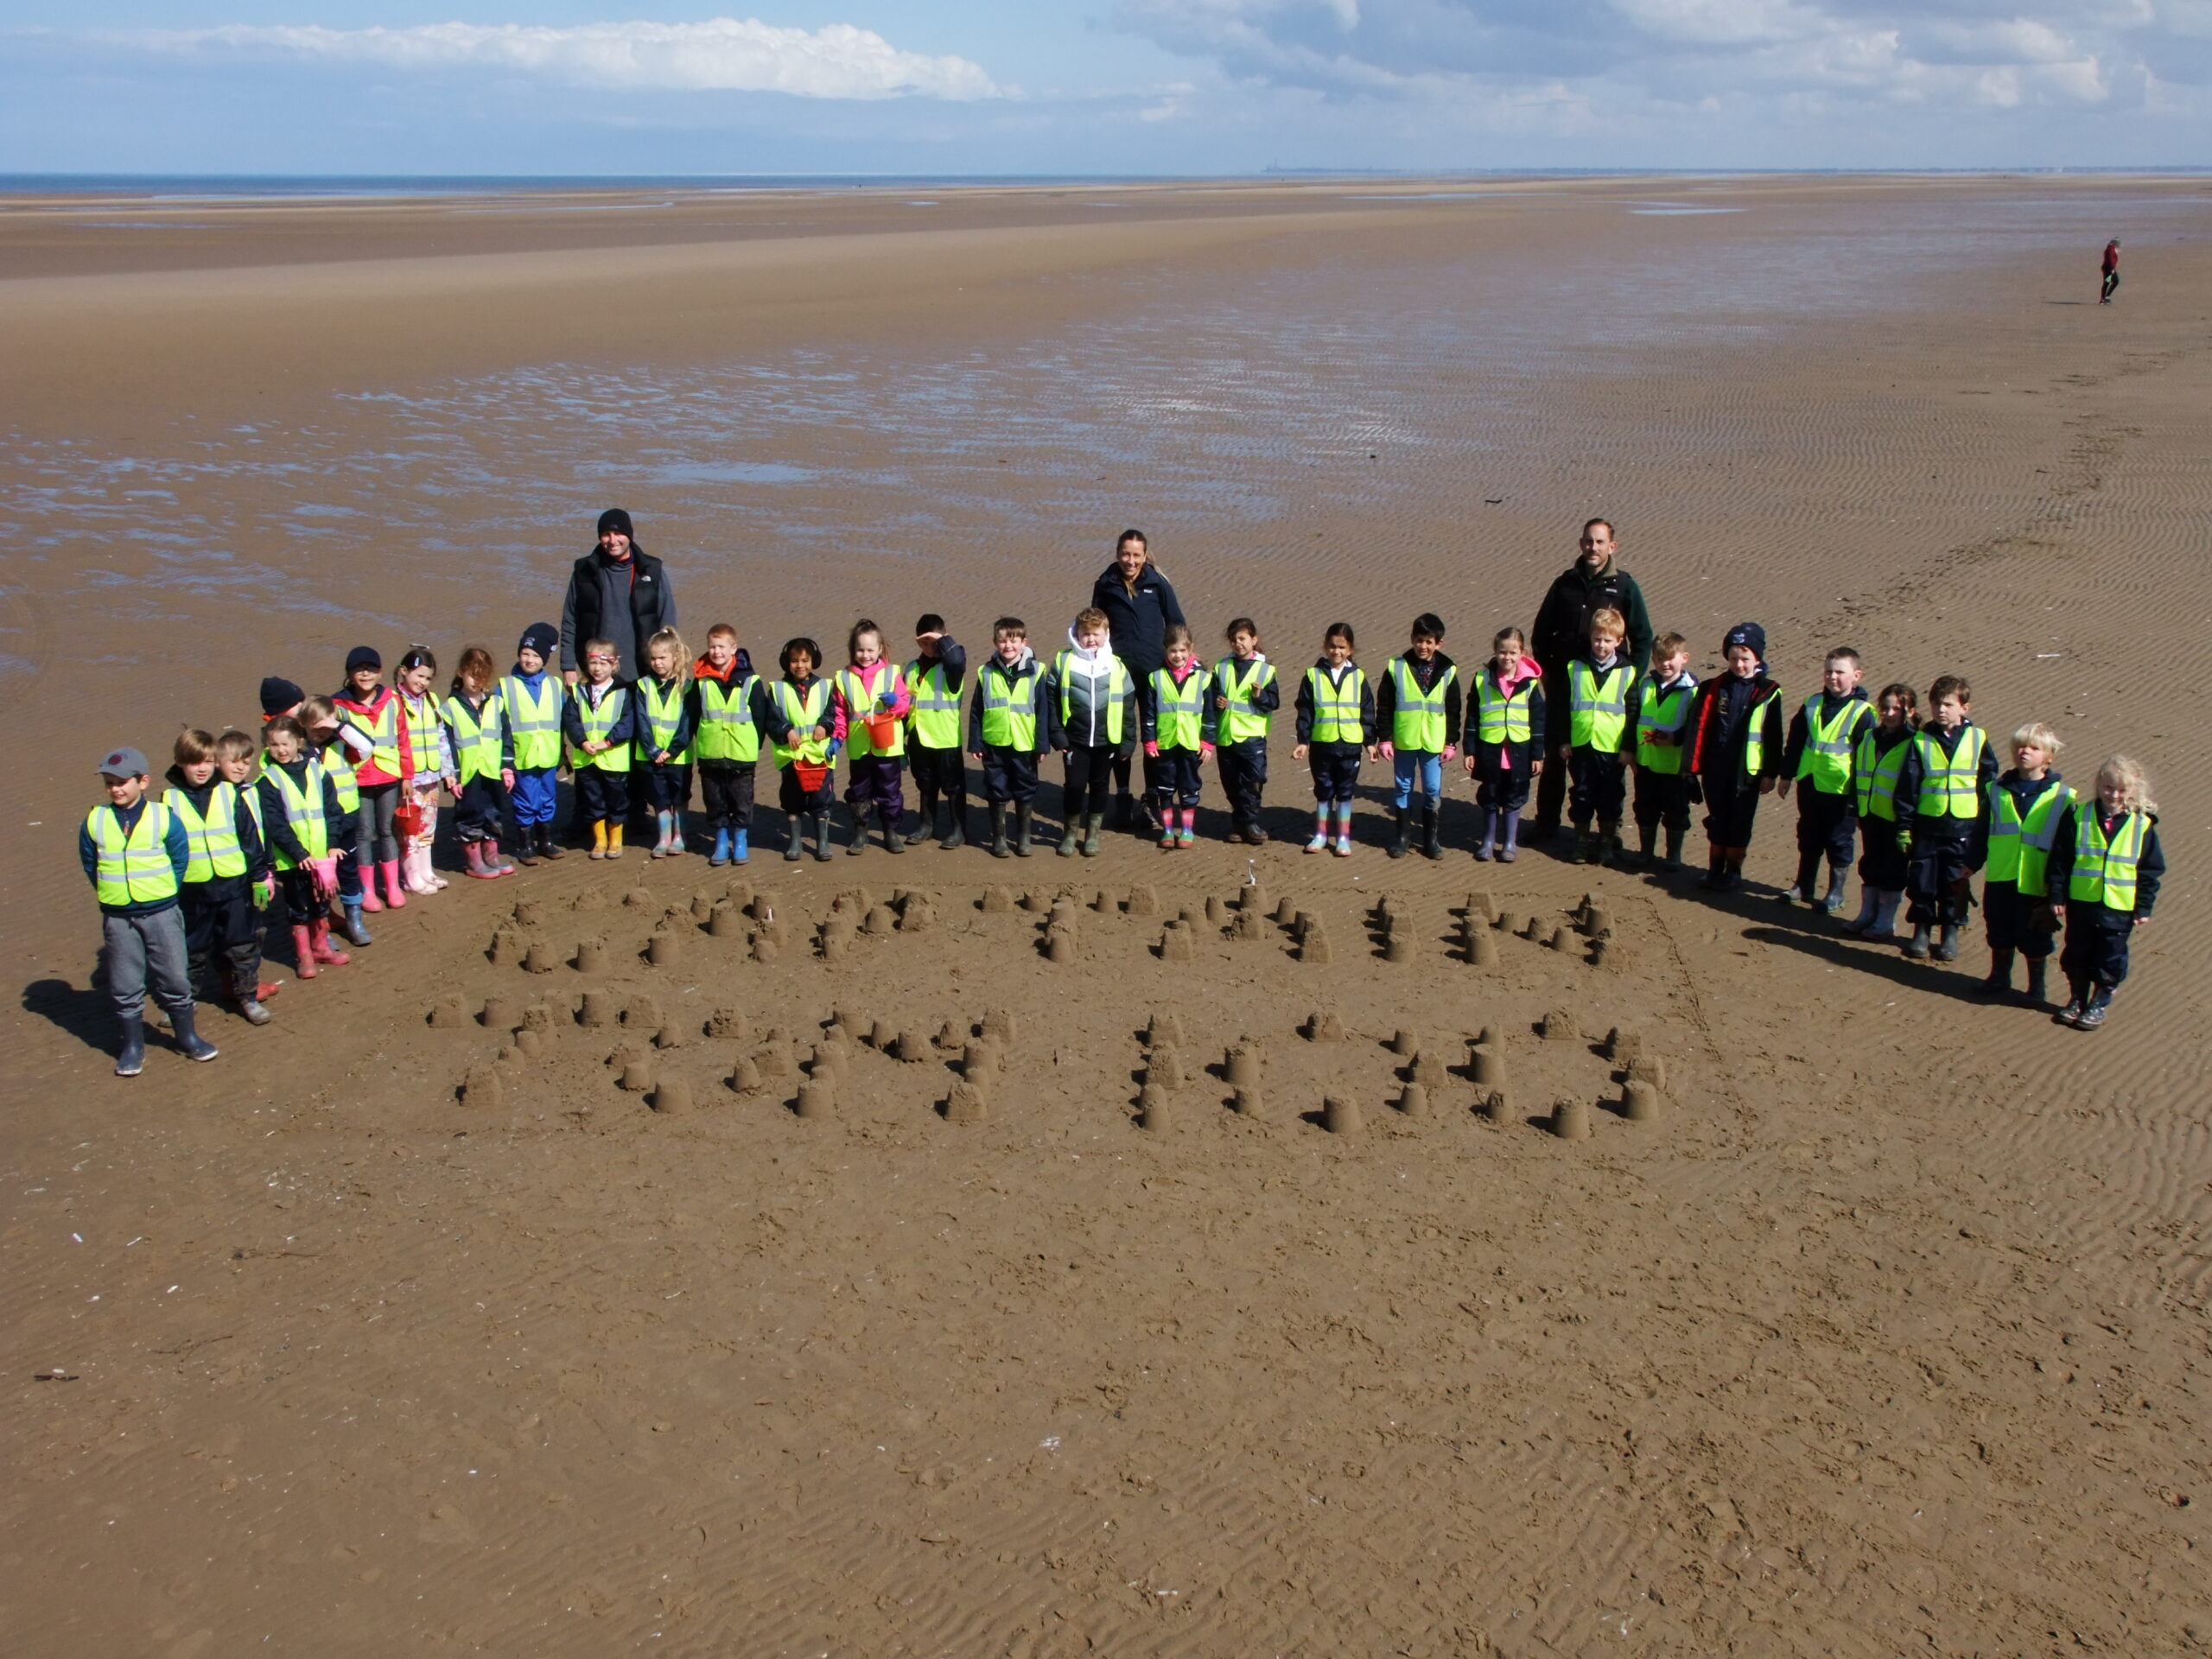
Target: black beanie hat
540, 637
619, 521
363, 656
1747, 633
280, 697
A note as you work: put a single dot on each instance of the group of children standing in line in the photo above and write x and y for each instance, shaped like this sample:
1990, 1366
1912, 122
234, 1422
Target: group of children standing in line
345, 798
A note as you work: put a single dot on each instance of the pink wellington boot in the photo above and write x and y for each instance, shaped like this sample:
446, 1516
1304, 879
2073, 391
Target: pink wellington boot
394, 895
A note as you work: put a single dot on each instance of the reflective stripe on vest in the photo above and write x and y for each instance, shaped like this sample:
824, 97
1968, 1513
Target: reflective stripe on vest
475, 739
1178, 711
1010, 709
934, 721
1598, 705
1119, 688
662, 711
1502, 717
215, 839
805, 711
1827, 757
1664, 714
533, 720
860, 742
2104, 871
726, 728
422, 732
382, 729
597, 721
1417, 722
1952, 782
1878, 774
338, 766
1755, 732
2019, 849
133, 869
303, 811
1241, 720
1337, 705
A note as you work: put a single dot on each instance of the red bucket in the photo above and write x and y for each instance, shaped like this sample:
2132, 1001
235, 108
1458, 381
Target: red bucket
810, 777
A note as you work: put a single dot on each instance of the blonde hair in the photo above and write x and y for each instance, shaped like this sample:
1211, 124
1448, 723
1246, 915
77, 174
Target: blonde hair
2041, 735
674, 641
1607, 620
2134, 782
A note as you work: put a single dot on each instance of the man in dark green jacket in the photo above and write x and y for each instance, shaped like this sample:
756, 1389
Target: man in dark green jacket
1593, 582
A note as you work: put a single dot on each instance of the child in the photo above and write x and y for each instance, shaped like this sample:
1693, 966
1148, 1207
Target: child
1336, 728
600, 726
1943, 800
1876, 764
1598, 683
432, 770
1087, 696
531, 710
340, 745
1735, 751
1824, 736
1244, 695
298, 811
226, 865
1507, 750
475, 735
235, 754
873, 702
663, 717
1417, 712
2026, 806
1663, 789
1005, 733
933, 680
726, 741
135, 853
1180, 724
2105, 870
805, 724
380, 776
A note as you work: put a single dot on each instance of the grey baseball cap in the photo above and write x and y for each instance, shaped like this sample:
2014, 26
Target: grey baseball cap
123, 763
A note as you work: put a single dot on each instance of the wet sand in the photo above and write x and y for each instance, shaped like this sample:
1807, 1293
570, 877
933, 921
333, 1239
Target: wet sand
1888, 1330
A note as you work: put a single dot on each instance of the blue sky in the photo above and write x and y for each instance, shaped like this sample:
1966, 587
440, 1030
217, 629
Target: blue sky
1112, 86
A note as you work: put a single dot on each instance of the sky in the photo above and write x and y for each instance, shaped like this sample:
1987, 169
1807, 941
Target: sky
1114, 87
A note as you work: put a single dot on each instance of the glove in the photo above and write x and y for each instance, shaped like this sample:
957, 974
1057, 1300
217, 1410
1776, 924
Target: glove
1152, 750
325, 874
1696, 791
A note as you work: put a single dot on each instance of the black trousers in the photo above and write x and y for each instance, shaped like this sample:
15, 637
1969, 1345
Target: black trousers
1009, 774
1935, 873
2018, 921
667, 787
1244, 776
219, 920
796, 799
1090, 779
482, 813
1662, 798
1882, 864
726, 788
2096, 945
1597, 786
604, 796
939, 774
1827, 827
1731, 801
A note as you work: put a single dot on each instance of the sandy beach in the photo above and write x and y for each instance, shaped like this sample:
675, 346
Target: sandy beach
1887, 1332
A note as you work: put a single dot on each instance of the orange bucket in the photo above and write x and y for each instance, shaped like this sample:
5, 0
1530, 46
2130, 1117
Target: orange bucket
810, 777
881, 729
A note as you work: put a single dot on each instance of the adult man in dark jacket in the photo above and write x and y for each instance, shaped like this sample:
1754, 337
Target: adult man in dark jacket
1593, 582
619, 592
1139, 605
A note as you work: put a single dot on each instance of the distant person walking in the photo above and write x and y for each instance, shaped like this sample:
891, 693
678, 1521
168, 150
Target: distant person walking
1592, 583
1139, 605
2111, 271
617, 591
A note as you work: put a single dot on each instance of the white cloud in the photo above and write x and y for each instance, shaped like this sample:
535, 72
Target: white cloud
723, 54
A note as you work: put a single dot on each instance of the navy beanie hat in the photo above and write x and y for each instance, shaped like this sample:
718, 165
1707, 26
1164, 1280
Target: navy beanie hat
280, 697
363, 656
619, 521
1747, 633
540, 637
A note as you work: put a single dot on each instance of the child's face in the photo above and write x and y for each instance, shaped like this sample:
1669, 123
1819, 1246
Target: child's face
236, 770
1840, 675
1422, 648
1092, 638
124, 792
867, 649
196, 773
1243, 643
800, 665
1674, 667
1892, 711
599, 667
2032, 759
662, 660
364, 680
1337, 649
417, 680
1505, 657
722, 651
1011, 645
1603, 644
1950, 710
528, 661
1179, 656
2112, 793
1743, 662
284, 747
